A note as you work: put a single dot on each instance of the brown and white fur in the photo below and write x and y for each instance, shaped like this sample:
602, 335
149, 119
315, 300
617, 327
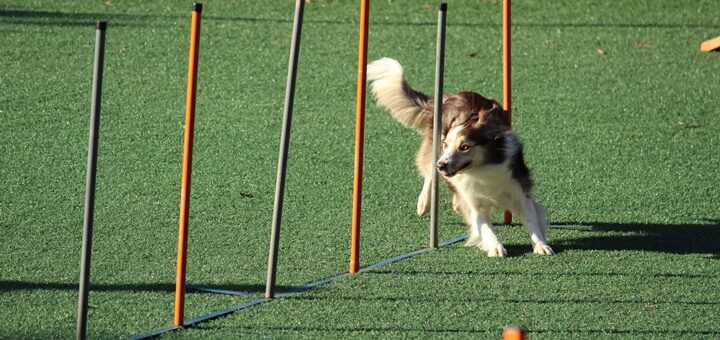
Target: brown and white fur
482, 157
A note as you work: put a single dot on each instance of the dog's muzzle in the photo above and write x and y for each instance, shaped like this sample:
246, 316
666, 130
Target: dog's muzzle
449, 169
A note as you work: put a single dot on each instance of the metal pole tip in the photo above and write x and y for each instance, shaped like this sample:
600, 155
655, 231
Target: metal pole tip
443, 6
101, 25
197, 7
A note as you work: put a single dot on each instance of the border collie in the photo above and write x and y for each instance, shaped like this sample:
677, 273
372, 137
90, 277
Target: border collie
481, 162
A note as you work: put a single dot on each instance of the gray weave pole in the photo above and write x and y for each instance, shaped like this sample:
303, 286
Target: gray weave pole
284, 143
437, 122
90, 183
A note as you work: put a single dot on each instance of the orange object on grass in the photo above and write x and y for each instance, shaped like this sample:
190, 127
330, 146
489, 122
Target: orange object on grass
710, 45
513, 333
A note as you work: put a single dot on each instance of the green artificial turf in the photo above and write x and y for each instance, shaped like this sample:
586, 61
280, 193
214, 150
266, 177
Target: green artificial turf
617, 107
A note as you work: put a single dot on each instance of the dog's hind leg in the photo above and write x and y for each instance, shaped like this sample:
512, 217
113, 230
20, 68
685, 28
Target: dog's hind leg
534, 219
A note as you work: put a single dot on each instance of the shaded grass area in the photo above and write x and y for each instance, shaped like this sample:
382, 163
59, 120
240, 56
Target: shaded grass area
623, 294
616, 105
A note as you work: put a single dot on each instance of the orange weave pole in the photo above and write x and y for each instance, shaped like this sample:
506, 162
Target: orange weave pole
359, 137
186, 166
506, 84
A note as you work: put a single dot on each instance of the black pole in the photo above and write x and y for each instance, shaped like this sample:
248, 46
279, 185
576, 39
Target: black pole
437, 121
91, 174
284, 143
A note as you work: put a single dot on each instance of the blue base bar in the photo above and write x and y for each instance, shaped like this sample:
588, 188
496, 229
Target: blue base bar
156, 333
292, 291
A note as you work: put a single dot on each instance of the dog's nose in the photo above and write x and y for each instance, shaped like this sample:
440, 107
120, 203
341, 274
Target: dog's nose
441, 165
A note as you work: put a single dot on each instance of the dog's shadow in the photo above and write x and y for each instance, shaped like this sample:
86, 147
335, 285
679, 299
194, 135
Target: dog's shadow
664, 238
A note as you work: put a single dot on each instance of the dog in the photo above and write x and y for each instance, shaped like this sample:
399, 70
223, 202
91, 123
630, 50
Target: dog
482, 157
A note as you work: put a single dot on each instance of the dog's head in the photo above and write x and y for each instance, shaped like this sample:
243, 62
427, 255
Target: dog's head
476, 140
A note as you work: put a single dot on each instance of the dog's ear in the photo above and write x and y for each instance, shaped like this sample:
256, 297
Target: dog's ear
486, 111
493, 115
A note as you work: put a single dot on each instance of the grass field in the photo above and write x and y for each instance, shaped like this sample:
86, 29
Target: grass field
618, 109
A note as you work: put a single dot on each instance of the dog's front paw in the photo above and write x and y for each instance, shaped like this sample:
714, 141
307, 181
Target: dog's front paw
543, 249
496, 250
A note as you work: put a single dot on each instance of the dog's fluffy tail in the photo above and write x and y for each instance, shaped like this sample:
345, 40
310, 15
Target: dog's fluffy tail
409, 107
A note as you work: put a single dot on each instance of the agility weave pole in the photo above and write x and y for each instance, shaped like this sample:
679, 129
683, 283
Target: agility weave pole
93, 137
437, 123
181, 275
284, 144
506, 75
292, 291
282, 164
359, 136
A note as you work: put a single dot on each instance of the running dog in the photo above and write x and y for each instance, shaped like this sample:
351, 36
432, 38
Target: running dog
482, 157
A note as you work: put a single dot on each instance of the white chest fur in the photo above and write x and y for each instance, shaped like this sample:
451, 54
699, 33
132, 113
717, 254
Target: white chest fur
486, 188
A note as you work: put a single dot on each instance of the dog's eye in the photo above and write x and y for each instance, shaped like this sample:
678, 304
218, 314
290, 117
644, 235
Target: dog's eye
464, 147
444, 145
